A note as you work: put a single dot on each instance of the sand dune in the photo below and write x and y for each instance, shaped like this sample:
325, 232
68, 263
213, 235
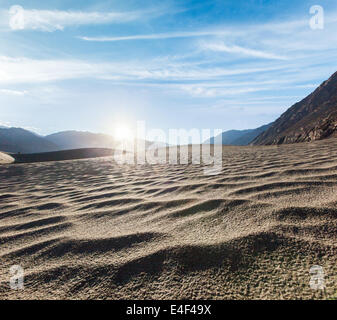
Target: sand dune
72, 154
5, 158
92, 229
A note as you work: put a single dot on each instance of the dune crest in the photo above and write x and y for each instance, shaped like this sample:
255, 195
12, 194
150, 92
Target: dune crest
5, 158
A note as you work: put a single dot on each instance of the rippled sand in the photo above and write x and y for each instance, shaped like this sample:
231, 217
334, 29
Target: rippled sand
91, 229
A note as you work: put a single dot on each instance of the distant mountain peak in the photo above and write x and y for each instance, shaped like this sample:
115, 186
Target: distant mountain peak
24, 141
237, 137
72, 139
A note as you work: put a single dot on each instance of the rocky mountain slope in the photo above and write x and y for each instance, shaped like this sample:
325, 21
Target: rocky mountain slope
313, 118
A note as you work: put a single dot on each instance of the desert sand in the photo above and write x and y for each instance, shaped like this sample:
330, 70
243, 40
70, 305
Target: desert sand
5, 158
92, 229
83, 153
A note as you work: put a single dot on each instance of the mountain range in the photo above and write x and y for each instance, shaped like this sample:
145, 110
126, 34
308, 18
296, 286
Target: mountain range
237, 137
313, 118
78, 139
18, 140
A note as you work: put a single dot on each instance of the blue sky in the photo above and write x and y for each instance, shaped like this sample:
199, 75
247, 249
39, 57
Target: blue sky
229, 64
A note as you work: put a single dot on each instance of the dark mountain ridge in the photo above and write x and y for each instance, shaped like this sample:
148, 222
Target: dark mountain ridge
237, 137
313, 118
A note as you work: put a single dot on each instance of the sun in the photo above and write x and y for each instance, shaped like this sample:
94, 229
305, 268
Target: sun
123, 132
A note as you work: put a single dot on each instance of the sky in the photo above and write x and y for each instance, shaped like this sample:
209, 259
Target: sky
221, 64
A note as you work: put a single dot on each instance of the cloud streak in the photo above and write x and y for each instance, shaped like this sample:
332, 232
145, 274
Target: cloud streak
53, 20
201, 72
187, 79
24, 70
158, 36
221, 47
13, 92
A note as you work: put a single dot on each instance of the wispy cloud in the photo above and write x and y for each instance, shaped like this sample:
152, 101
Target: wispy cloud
279, 64
24, 70
52, 20
13, 92
216, 92
158, 36
265, 38
222, 47
168, 76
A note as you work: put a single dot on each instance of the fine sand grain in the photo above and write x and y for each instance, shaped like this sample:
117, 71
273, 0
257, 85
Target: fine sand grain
92, 229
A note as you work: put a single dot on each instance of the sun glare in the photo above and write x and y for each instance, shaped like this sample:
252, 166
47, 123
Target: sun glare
123, 132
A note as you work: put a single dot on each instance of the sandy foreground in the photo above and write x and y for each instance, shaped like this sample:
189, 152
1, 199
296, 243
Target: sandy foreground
92, 229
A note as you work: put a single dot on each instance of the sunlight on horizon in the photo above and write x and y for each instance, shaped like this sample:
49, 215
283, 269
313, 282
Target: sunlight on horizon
122, 132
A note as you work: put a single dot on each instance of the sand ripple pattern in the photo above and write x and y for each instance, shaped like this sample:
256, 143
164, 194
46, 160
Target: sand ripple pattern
91, 229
